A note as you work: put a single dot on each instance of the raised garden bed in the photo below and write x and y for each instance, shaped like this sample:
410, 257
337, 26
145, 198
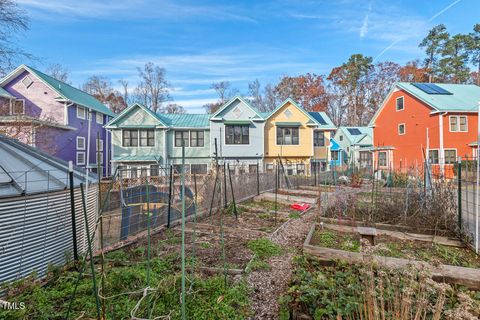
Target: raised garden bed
452, 264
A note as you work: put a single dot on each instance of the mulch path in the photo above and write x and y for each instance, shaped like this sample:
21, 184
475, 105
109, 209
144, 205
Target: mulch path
268, 285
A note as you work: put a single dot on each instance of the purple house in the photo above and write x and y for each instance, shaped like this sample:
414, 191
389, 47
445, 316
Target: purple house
55, 117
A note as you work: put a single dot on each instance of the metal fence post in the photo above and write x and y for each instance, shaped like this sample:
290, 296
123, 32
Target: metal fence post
459, 187
72, 208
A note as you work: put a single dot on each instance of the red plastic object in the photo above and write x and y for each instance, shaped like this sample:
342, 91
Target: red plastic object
300, 206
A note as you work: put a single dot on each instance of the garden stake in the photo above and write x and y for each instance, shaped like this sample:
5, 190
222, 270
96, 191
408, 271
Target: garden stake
148, 240
100, 215
258, 179
170, 196
92, 266
72, 208
225, 202
276, 192
194, 227
459, 189
233, 194
216, 178
183, 230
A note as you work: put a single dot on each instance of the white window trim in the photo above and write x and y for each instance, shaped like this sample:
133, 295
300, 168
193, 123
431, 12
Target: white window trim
450, 149
290, 145
404, 129
458, 123
386, 159
97, 114
31, 81
84, 141
236, 144
189, 138
138, 135
80, 163
84, 113
13, 107
101, 145
396, 103
428, 155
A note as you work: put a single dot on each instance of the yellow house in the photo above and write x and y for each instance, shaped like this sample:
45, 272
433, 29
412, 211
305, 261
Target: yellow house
299, 138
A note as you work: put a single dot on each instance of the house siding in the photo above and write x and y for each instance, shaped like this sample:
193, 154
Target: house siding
410, 147
246, 154
301, 153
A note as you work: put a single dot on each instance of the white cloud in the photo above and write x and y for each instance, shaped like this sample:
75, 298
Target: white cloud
121, 9
364, 27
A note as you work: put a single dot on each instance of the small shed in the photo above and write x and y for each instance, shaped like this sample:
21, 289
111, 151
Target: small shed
35, 210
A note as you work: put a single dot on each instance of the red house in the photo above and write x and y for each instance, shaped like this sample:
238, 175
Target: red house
426, 121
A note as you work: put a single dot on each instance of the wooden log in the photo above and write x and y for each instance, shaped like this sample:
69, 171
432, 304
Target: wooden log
468, 277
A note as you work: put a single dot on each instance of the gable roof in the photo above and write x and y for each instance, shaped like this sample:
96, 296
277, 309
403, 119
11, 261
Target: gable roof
291, 101
114, 122
64, 90
4, 93
183, 120
239, 98
334, 146
463, 97
326, 123
364, 138
186, 120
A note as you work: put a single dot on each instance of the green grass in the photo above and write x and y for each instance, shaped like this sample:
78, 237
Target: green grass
264, 248
209, 298
294, 215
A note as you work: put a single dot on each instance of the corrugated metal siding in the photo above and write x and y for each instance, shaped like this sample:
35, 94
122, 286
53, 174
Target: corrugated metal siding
36, 231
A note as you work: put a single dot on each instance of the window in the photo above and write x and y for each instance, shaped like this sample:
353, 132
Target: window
458, 124
80, 143
130, 138
301, 168
99, 145
450, 156
269, 167
97, 155
99, 117
81, 113
80, 158
237, 134
290, 168
18, 107
319, 138
133, 172
199, 168
382, 159
27, 81
341, 138
143, 172
401, 129
177, 168
197, 138
252, 168
433, 156
154, 169
179, 136
122, 171
147, 138
399, 105
335, 155
287, 136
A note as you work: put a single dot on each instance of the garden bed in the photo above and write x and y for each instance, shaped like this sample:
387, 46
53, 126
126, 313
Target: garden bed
360, 291
451, 264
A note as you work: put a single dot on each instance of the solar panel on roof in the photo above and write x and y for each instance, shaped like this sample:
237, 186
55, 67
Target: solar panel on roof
354, 131
431, 88
317, 116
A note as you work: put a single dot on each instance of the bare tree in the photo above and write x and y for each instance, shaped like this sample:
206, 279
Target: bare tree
153, 88
13, 22
224, 91
173, 108
101, 88
58, 72
124, 84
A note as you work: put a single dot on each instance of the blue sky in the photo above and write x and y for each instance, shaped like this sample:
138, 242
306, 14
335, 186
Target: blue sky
203, 42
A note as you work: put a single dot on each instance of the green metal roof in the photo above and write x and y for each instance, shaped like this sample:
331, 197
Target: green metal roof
5, 93
364, 138
186, 120
237, 122
288, 124
464, 97
136, 158
71, 93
